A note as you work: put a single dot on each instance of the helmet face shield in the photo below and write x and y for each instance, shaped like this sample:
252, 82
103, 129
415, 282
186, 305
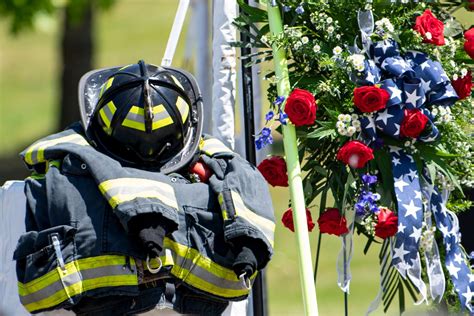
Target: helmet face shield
142, 115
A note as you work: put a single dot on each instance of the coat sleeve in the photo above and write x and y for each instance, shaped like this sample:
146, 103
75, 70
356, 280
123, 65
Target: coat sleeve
245, 202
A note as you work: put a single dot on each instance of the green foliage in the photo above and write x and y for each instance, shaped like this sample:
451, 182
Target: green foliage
23, 13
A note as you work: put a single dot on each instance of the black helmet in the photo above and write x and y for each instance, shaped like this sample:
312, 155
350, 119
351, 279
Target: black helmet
142, 115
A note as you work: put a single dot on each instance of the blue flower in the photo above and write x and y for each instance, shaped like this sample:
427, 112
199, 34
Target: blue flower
286, 8
279, 100
269, 115
259, 143
266, 132
282, 117
369, 179
299, 9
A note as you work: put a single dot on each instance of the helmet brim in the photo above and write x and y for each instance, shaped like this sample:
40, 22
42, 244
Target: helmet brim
91, 84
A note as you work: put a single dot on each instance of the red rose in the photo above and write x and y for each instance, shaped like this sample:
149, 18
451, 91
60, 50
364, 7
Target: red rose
413, 123
370, 98
463, 86
301, 107
355, 154
287, 220
387, 224
469, 43
430, 28
332, 222
274, 171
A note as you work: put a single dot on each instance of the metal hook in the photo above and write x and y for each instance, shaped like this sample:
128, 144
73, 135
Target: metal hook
153, 270
246, 281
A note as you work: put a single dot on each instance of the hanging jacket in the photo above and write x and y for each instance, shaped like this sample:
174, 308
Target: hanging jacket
80, 204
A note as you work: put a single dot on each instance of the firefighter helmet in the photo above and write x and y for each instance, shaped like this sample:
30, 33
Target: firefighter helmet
142, 115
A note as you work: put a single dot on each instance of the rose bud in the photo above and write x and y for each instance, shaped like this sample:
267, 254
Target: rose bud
463, 86
274, 171
287, 220
387, 223
332, 222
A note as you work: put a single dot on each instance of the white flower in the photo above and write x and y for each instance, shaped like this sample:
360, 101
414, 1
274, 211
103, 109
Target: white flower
455, 77
356, 59
360, 68
341, 131
354, 117
442, 111
264, 39
407, 143
434, 111
356, 123
453, 64
428, 35
330, 30
329, 20
305, 39
340, 124
347, 118
316, 48
337, 50
307, 69
338, 36
377, 196
463, 72
297, 45
340, 117
351, 130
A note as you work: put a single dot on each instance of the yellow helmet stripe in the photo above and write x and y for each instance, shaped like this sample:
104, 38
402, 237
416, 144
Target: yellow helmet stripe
212, 146
107, 112
106, 85
183, 108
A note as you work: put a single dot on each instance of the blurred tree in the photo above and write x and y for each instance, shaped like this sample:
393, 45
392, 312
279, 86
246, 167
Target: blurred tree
77, 49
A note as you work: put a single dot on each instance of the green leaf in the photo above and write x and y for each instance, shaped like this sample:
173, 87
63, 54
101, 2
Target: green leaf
256, 14
452, 28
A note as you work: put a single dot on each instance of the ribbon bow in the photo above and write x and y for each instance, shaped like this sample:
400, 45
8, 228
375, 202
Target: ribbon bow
413, 81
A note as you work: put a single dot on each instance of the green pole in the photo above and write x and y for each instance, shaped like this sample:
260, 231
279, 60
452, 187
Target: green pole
294, 171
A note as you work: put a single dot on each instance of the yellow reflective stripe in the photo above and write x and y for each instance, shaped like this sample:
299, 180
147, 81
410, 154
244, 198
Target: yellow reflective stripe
88, 274
183, 108
35, 153
134, 124
125, 67
84, 264
81, 287
204, 262
122, 190
212, 146
106, 85
220, 198
266, 226
135, 118
162, 123
107, 112
176, 81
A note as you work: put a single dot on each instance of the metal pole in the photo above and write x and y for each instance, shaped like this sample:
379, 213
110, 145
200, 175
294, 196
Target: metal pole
294, 170
175, 32
258, 289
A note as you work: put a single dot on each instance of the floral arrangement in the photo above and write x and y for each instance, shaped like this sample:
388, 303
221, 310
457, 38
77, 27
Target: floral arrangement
381, 98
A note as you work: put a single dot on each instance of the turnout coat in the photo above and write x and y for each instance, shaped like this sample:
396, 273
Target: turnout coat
79, 205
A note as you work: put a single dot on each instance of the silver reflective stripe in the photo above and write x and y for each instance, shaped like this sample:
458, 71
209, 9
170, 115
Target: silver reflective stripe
206, 275
72, 279
139, 118
266, 226
122, 190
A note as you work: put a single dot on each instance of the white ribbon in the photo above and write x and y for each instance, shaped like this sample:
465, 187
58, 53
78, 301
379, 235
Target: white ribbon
343, 267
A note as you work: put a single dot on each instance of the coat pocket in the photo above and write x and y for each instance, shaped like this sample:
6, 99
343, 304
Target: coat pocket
47, 276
